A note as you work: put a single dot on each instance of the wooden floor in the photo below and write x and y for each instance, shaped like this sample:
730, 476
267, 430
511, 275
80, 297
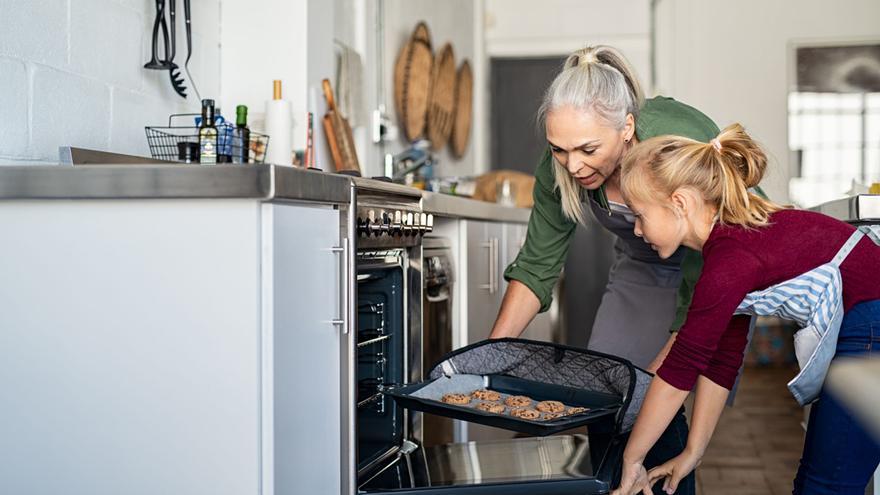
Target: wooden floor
758, 442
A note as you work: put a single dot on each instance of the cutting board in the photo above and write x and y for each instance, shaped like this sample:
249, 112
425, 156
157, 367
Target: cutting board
339, 136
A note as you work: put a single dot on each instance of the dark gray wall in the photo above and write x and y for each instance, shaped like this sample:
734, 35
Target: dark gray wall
517, 86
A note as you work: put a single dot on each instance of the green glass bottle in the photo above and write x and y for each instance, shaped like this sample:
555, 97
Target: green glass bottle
207, 135
241, 136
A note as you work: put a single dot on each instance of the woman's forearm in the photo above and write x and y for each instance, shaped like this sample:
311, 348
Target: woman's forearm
661, 405
708, 406
518, 308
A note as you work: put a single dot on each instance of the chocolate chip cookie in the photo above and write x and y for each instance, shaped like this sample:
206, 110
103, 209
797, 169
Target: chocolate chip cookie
492, 407
484, 394
457, 399
550, 406
524, 413
518, 401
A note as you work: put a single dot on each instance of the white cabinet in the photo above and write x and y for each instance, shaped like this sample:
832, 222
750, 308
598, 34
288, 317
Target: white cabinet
488, 249
542, 326
163, 346
303, 317
481, 247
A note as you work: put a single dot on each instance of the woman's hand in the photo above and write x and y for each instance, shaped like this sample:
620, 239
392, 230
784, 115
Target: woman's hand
674, 470
633, 480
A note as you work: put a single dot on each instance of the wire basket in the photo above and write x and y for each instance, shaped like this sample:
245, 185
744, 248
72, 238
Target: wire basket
163, 141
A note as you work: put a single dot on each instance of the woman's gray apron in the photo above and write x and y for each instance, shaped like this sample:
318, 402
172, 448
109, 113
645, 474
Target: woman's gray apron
638, 306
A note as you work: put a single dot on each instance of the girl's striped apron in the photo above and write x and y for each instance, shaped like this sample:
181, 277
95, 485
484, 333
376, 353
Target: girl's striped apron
815, 301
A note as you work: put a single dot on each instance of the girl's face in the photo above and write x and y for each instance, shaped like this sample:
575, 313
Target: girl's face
659, 225
585, 145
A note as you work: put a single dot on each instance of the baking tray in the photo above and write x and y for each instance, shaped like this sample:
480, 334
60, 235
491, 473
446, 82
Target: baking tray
601, 405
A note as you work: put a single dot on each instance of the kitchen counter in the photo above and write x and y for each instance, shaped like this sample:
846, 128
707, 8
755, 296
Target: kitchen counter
264, 182
859, 208
459, 207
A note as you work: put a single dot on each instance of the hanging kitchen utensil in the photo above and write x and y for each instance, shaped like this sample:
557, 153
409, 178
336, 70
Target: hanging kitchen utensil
174, 72
442, 101
461, 125
155, 63
412, 82
339, 135
188, 21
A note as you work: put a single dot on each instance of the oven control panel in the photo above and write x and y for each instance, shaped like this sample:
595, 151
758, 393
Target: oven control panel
380, 222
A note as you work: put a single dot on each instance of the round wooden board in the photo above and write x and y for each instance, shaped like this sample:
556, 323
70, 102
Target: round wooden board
412, 82
442, 101
461, 126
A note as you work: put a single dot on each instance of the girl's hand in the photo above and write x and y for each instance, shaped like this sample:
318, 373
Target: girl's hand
633, 480
674, 470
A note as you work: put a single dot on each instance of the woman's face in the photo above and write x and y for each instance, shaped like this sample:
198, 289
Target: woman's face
586, 145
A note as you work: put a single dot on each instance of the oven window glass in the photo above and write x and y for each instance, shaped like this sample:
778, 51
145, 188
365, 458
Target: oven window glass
380, 360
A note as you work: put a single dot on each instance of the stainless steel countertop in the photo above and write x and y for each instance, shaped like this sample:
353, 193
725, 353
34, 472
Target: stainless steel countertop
445, 205
264, 182
861, 208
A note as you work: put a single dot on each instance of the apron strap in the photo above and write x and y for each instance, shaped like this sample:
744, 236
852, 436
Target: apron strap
847, 247
872, 231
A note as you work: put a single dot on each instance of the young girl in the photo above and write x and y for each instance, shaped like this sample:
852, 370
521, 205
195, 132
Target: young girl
759, 258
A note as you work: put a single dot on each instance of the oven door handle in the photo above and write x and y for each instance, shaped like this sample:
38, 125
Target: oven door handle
343, 285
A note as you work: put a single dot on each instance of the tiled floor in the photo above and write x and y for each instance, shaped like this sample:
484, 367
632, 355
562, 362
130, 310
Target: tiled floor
758, 442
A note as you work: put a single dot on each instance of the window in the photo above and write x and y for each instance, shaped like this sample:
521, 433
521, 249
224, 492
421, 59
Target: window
834, 121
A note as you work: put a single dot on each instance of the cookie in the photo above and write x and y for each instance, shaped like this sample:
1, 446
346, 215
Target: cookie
518, 401
524, 413
550, 406
458, 399
492, 407
551, 416
489, 395
576, 410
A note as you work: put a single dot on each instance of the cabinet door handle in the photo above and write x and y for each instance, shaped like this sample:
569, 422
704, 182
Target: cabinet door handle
493, 265
343, 285
488, 285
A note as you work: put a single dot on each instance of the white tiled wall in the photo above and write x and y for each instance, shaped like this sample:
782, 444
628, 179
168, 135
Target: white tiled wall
71, 73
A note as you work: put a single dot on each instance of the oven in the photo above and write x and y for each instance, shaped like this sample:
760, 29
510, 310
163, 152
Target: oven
387, 346
403, 285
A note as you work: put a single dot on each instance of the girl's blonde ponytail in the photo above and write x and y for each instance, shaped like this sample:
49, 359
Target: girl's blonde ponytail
722, 171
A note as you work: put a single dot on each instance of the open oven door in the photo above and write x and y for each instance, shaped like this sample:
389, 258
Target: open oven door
552, 465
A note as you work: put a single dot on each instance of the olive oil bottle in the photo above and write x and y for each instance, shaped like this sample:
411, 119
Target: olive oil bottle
241, 136
208, 135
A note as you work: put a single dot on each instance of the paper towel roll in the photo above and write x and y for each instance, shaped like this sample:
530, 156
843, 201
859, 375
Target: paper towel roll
279, 127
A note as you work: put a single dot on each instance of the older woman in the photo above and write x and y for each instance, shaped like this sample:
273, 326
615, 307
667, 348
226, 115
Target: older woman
593, 113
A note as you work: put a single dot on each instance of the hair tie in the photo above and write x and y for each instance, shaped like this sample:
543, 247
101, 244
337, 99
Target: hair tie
716, 144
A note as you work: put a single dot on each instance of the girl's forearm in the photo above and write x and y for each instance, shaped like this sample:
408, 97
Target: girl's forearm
661, 405
708, 406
